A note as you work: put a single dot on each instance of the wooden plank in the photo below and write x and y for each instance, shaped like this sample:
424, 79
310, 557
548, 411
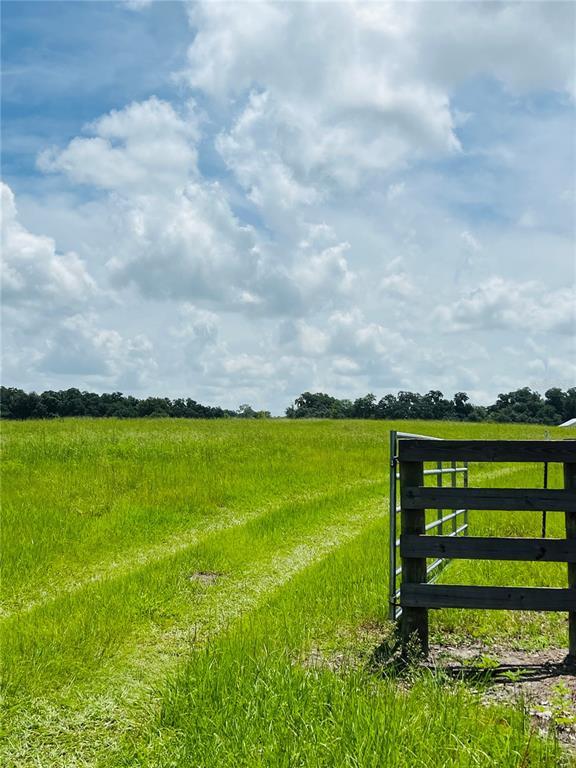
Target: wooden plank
492, 598
570, 484
487, 450
489, 548
414, 628
488, 498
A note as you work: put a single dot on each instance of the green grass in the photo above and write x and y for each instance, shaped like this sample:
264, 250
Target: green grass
114, 656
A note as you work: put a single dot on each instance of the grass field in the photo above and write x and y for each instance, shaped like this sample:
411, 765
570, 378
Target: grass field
190, 593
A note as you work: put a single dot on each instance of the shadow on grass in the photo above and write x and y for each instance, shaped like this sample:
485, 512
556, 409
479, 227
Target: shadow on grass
504, 674
391, 660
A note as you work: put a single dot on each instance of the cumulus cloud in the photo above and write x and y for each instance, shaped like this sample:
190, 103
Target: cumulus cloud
51, 325
141, 149
79, 347
399, 286
137, 5
348, 342
192, 247
272, 183
34, 275
286, 227
196, 337
333, 92
186, 246
527, 46
503, 304
175, 233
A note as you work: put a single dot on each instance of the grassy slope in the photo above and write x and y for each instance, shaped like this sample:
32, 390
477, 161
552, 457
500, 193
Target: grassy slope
114, 656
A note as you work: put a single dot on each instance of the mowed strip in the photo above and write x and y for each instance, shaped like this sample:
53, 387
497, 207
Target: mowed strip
83, 718
145, 619
84, 721
178, 542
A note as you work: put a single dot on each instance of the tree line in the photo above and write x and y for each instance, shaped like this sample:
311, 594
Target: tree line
17, 404
521, 405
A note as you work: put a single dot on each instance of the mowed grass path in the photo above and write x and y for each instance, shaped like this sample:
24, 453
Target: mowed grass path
117, 653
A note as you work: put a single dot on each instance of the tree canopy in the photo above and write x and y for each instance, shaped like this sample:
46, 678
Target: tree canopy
521, 405
17, 404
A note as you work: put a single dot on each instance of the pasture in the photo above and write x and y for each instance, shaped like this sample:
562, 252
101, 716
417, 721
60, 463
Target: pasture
210, 593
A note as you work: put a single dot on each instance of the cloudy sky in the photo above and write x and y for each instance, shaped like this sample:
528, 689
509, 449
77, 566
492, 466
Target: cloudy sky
241, 201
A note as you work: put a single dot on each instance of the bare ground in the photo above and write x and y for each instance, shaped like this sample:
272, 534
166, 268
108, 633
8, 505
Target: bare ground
545, 681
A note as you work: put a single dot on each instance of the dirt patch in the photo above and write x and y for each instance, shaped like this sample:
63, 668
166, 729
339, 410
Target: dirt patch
545, 681
317, 659
205, 577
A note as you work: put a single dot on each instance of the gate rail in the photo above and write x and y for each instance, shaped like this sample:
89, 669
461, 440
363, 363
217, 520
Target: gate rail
418, 593
458, 518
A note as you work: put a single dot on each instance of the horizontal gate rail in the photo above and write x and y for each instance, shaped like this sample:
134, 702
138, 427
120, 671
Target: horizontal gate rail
443, 471
459, 526
422, 552
488, 450
489, 498
489, 548
491, 598
446, 519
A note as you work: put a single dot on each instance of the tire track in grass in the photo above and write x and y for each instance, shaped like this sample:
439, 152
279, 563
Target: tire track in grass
174, 544
95, 719
90, 726
183, 540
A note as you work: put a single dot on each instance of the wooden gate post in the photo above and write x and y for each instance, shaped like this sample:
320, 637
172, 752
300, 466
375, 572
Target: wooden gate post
570, 484
413, 521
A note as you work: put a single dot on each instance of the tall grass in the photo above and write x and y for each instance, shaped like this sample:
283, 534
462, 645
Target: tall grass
116, 653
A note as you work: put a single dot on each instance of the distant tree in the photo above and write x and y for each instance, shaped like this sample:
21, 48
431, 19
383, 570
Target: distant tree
434, 406
365, 407
570, 404
316, 406
387, 408
562, 405
409, 405
521, 405
17, 404
462, 406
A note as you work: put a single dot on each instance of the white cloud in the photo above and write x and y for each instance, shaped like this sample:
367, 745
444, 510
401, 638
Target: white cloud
331, 94
175, 234
258, 159
300, 229
502, 304
346, 335
184, 246
341, 90
471, 242
528, 46
196, 337
142, 149
35, 276
79, 347
398, 286
137, 5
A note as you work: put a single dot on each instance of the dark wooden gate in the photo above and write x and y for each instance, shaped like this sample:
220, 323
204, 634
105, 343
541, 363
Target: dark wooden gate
417, 596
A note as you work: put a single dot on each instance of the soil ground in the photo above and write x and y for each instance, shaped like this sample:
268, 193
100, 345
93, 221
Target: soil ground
545, 680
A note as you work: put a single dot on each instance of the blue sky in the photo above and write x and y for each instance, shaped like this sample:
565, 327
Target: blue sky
65, 63
241, 201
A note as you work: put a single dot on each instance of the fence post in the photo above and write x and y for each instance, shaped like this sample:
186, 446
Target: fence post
413, 521
570, 484
393, 535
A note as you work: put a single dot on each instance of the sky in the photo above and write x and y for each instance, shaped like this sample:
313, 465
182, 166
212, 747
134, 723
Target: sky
241, 201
